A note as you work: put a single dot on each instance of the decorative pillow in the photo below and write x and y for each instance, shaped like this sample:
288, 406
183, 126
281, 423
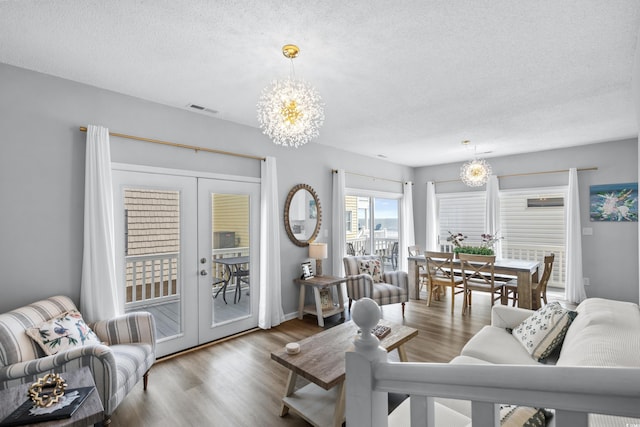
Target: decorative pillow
62, 333
371, 267
544, 330
522, 416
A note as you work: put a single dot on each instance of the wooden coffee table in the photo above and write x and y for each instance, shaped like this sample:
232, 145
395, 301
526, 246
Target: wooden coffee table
322, 361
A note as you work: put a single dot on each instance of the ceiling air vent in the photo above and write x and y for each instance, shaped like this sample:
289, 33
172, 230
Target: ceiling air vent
202, 109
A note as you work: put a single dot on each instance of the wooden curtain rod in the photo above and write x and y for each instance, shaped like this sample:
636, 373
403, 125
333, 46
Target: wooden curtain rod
593, 168
372, 177
174, 144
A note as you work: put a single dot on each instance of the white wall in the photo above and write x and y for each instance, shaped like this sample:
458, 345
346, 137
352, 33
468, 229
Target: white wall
42, 174
610, 255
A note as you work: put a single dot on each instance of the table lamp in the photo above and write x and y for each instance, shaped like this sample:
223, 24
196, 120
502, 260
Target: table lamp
318, 251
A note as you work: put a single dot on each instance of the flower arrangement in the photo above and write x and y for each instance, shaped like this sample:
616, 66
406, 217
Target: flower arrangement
489, 240
486, 247
456, 239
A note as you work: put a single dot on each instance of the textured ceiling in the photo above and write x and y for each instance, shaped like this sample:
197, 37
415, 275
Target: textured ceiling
405, 79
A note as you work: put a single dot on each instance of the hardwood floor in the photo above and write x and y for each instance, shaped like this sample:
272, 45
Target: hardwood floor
235, 382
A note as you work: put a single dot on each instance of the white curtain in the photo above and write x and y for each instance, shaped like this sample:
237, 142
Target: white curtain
270, 312
492, 212
432, 218
339, 235
99, 290
408, 237
574, 290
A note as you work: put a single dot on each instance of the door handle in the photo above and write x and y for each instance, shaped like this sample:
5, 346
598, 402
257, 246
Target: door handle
203, 272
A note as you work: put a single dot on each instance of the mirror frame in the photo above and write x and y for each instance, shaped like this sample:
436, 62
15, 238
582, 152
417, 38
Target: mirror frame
287, 205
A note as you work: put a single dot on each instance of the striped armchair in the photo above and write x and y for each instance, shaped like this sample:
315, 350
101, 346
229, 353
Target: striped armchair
393, 287
116, 367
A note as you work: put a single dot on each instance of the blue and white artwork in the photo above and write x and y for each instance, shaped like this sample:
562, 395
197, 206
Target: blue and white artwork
614, 202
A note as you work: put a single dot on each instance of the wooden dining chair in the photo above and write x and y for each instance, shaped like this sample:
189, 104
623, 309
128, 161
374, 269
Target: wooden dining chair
441, 275
423, 277
538, 290
478, 274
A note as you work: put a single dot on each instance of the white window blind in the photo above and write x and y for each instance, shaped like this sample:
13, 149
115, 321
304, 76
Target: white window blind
533, 232
461, 213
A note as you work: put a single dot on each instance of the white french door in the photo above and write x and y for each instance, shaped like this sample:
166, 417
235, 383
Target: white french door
228, 236
175, 236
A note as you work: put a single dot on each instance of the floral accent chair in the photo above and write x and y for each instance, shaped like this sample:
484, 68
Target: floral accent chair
51, 336
366, 278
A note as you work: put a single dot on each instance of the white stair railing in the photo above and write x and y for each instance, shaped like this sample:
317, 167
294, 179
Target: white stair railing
574, 392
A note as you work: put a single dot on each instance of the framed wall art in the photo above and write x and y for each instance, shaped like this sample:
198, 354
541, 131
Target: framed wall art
614, 202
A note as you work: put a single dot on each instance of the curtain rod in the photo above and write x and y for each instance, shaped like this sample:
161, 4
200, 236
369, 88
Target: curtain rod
175, 144
372, 177
593, 168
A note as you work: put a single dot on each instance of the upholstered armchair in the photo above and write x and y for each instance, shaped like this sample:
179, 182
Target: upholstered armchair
121, 355
366, 278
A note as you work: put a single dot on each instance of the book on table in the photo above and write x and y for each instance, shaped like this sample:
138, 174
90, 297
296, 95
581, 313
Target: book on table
29, 413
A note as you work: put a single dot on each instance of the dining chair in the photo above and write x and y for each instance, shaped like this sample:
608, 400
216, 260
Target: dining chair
538, 290
441, 275
423, 277
478, 274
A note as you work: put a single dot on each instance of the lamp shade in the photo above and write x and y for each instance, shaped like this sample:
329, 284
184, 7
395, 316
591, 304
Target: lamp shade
317, 250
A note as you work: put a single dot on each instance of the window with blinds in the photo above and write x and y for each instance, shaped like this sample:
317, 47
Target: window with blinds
532, 228
461, 213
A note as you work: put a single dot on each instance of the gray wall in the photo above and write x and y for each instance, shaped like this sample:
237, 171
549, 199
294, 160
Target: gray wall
610, 255
42, 174
42, 181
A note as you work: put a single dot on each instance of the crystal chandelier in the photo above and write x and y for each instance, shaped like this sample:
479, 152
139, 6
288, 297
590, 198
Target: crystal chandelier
290, 111
476, 172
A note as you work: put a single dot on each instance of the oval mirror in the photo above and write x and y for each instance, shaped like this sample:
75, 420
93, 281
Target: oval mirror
302, 215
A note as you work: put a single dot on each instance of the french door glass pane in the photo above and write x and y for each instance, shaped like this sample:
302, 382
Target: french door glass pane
152, 253
230, 249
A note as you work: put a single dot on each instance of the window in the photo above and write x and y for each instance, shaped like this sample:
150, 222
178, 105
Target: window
533, 229
532, 224
461, 213
378, 226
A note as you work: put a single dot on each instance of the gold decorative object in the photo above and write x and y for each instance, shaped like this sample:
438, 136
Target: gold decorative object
47, 390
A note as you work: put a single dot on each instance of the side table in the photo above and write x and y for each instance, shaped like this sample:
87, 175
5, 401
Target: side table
90, 413
319, 283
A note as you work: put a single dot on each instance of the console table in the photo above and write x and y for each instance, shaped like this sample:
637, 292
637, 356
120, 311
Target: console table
319, 283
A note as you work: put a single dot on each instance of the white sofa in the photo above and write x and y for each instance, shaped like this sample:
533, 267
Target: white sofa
605, 333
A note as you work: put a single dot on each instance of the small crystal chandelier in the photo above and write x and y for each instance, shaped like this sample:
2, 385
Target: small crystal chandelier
290, 111
476, 172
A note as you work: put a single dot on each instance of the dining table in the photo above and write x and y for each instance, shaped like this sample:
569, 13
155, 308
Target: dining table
526, 272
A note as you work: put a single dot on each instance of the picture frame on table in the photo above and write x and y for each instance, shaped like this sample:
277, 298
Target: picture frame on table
307, 271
